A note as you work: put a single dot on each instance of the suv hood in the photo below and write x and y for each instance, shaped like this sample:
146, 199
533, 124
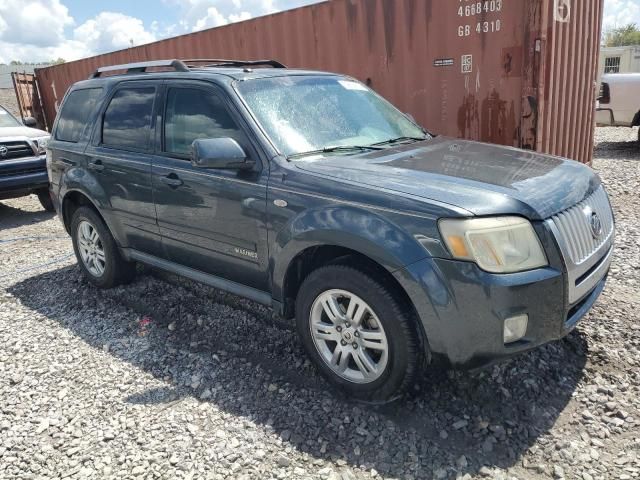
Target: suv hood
480, 178
11, 132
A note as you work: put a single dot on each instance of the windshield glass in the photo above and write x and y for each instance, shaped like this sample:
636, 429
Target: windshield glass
309, 113
7, 120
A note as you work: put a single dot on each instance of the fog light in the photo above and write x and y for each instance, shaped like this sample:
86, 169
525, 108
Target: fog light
515, 328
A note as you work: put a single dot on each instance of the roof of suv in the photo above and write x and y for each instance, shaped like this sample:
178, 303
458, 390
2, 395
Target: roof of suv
230, 73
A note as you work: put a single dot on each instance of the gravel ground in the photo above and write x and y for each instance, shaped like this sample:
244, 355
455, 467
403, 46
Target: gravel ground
165, 378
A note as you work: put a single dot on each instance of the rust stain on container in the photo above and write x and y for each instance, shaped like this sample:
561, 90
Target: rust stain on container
514, 72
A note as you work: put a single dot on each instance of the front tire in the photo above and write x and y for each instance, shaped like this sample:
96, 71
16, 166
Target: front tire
97, 252
45, 200
357, 334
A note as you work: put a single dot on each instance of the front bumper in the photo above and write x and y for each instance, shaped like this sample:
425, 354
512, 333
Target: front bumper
22, 176
463, 308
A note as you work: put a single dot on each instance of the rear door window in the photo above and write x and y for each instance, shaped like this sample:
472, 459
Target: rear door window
193, 113
75, 113
127, 120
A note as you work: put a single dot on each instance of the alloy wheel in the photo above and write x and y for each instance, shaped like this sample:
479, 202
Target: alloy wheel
349, 336
91, 248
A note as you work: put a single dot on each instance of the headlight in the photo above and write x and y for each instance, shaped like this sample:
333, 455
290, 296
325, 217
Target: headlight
497, 245
41, 144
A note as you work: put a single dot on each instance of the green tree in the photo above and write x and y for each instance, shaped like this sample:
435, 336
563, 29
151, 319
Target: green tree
622, 36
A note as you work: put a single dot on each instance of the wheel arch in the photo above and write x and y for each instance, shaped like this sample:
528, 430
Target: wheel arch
313, 257
357, 230
74, 199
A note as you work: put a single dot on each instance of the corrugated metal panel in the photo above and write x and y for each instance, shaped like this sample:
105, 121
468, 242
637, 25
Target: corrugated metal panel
515, 72
567, 126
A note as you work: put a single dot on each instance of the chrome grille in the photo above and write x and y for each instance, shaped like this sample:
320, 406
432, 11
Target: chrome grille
587, 253
15, 149
574, 226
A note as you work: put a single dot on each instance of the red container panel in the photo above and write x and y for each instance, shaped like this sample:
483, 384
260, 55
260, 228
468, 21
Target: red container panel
513, 72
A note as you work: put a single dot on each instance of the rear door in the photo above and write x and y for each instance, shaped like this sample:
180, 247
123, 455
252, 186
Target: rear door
119, 158
71, 132
212, 220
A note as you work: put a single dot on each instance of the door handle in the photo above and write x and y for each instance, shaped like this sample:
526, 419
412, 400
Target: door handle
67, 162
96, 165
172, 180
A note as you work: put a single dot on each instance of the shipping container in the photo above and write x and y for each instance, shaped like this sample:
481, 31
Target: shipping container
513, 72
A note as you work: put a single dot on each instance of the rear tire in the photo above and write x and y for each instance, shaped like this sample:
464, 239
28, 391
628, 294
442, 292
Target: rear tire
357, 334
45, 200
97, 252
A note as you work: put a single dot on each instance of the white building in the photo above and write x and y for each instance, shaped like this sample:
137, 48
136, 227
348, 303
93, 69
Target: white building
619, 60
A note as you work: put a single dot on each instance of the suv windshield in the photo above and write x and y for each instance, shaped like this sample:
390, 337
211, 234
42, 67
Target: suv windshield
7, 120
316, 114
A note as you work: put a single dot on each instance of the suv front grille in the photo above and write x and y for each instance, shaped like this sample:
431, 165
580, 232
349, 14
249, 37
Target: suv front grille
15, 149
587, 249
574, 225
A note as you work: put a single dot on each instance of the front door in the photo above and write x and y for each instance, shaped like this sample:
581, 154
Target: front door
211, 220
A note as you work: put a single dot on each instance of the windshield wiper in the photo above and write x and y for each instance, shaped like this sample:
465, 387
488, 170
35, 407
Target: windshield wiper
337, 148
402, 139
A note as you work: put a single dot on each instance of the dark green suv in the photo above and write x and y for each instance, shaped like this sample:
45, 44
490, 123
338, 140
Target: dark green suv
308, 192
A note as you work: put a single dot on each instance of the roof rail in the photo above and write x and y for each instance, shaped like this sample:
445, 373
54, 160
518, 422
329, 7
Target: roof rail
141, 67
217, 62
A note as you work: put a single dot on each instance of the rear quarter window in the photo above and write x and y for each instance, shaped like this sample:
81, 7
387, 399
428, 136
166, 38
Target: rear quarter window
75, 113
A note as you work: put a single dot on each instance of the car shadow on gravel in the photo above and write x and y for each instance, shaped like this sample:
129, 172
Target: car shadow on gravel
224, 350
617, 150
11, 217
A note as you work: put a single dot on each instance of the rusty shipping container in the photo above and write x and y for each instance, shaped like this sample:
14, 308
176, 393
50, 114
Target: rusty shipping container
514, 72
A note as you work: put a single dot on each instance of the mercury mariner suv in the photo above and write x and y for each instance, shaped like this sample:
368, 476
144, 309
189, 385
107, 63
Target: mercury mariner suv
389, 248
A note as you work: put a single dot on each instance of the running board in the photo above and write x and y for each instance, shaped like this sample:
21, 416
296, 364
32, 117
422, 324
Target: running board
211, 280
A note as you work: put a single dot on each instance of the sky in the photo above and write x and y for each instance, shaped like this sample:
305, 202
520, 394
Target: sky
42, 30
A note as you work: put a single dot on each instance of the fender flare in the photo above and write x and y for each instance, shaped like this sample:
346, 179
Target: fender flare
349, 227
77, 180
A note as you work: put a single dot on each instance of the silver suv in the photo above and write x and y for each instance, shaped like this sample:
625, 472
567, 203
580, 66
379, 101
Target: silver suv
23, 168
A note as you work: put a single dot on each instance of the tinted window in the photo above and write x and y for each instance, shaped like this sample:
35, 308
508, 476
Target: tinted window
75, 113
192, 114
127, 120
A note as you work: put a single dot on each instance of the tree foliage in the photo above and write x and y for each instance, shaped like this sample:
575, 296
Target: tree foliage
622, 36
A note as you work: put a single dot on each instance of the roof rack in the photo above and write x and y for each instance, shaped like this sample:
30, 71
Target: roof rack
218, 62
141, 67
181, 65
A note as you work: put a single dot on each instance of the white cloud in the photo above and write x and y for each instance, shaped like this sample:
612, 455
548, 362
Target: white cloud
33, 22
212, 18
42, 30
110, 31
33, 29
618, 13
202, 14
35, 32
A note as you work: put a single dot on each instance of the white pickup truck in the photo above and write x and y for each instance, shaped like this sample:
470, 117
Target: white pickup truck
619, 101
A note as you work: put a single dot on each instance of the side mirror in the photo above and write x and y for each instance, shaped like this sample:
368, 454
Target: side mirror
219, 153
29, 122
